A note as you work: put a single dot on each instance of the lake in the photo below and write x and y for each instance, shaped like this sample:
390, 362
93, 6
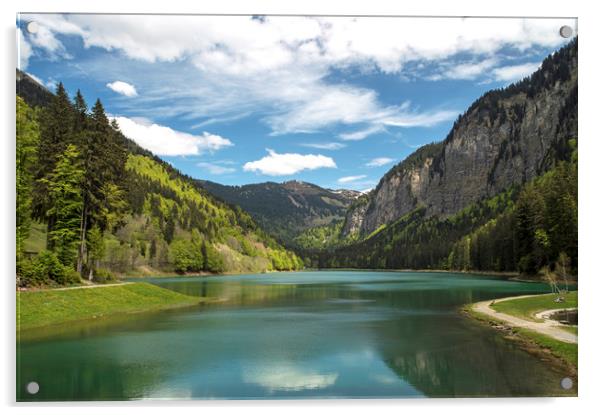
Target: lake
323, 334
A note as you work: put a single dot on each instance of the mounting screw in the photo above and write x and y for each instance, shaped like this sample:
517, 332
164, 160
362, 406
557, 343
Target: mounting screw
566, 31
566, 383
33, 388
32, 27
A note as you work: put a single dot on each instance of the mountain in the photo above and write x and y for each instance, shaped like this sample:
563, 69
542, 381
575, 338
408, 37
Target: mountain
498, 194
97, 203
284, 210
32, 92
506, 138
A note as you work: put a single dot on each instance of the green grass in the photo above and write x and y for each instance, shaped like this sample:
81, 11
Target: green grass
48, 307
566, 351
526, 308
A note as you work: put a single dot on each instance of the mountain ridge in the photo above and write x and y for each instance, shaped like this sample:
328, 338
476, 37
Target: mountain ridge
286, 209
506, 137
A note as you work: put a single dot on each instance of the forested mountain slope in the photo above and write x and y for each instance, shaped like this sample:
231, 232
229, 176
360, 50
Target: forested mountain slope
498, 194
286, 209
33, 93
507, 137
108, 206
522, 230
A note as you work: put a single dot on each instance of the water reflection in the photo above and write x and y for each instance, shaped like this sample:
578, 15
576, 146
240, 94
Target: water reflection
284, 376
329, 334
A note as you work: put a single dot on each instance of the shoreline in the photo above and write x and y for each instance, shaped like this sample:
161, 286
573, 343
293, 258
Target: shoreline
423, 270
514, 276
40, 309
535, 342
546, 327
154, 273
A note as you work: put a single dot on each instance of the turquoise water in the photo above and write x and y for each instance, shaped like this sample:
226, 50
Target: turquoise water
324, 334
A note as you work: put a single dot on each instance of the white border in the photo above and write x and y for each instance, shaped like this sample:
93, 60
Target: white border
589, 184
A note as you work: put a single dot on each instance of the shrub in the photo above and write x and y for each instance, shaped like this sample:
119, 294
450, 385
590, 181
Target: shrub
70, 276
185, 256
213, 259
48, 266
45, 269
103, 276
247, 247
27, 275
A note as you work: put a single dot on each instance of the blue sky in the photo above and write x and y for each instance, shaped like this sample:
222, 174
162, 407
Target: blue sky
334, 101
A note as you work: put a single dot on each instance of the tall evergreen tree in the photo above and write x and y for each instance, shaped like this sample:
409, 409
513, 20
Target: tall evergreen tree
56, 133
28, 135
104, 158
80, 127
65, 196
80, 117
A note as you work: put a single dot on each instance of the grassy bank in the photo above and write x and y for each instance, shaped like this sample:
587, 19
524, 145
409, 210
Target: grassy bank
526, 308
536, 343
48, 307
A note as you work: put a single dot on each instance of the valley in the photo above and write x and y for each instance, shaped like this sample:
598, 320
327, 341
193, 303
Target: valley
186, 226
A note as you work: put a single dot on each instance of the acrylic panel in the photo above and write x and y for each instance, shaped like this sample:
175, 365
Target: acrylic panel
268, 207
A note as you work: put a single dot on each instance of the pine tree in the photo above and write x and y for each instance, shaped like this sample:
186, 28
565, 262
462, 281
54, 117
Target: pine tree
80, 117
153, 249
28, 135
56, 133
104, 160
65, 197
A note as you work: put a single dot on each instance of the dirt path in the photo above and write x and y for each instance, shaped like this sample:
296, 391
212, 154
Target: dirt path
548, 327
87, 286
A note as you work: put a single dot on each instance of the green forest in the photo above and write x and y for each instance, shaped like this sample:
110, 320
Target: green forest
524, 229
528, 228
93, 205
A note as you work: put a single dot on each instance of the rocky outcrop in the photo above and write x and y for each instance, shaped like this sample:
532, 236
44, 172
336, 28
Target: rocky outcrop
506, 137
355, 216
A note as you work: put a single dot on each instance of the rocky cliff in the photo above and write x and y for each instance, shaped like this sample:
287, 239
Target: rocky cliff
506, 137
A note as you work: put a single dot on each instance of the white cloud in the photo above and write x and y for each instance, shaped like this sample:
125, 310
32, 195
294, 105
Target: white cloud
424, 119
44, 38
164, 141
349, 179
275, 164
515, 72
280, 66
51, 84
123, 88
361, 134
240, 44
220, 120
469, 70
325, 146
379, 161
215, 169
24, 50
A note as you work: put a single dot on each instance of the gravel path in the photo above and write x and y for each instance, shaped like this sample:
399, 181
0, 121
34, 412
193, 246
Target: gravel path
88, 286
548, 327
